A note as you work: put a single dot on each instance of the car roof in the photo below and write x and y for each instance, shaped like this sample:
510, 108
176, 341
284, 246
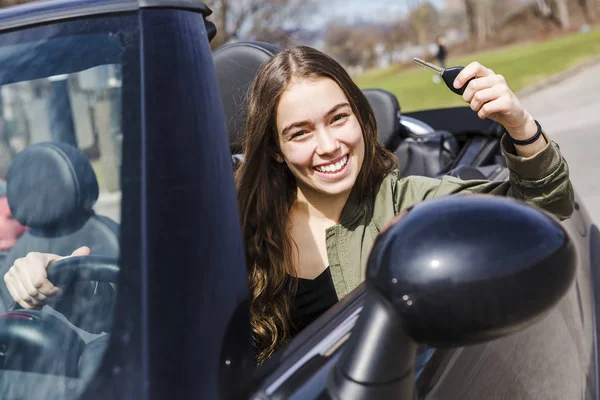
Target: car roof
51, 10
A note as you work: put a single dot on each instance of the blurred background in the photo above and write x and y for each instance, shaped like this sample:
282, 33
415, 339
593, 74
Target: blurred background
527, 40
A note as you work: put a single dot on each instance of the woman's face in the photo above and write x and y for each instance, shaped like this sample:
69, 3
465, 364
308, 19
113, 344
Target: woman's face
320, 138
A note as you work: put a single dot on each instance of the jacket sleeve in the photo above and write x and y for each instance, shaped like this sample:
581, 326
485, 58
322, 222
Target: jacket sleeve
541, 180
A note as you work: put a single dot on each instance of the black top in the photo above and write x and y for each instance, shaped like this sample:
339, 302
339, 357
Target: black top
313, 298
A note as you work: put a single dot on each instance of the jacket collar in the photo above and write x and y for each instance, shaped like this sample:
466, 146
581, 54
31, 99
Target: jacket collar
354, 209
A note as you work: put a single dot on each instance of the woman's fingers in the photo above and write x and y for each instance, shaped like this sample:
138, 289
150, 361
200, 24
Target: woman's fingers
477, 85
473, 70
483, 96
496, 106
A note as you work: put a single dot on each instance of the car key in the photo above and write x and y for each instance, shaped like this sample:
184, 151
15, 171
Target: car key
447, 74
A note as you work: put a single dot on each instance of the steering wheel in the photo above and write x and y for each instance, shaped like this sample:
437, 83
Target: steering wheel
36, 341
86, 268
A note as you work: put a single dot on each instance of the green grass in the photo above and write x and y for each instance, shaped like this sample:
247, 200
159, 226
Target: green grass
522, 65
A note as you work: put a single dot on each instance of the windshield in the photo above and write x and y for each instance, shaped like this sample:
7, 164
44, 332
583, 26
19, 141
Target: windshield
61, 134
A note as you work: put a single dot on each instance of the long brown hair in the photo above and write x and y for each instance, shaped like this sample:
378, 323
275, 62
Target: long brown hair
267, 188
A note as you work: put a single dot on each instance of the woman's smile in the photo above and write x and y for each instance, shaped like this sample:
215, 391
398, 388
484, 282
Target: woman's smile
335, 169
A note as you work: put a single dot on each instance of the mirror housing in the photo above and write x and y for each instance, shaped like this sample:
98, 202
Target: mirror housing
451, 272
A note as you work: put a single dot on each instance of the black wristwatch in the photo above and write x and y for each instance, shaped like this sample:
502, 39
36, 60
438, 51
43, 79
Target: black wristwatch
531, 139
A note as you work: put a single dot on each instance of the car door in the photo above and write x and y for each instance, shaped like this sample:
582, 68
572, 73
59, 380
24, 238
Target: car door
553, 359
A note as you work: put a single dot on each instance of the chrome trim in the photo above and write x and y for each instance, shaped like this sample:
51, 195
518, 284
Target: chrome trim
416, 126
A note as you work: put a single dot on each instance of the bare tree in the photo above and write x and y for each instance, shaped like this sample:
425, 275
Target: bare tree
276, 36
8, 3
560, 13
479, 19
423, 18
232, 17
339, 43
395, 36
589, 8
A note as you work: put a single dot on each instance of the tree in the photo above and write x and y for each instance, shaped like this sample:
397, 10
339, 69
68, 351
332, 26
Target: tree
338, 40
395, 36
423, 18
237, 18
479, 20
589, 8
8, 3
560, 13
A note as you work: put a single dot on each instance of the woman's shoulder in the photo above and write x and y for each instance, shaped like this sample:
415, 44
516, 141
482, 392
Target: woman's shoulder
413, 185
398, 193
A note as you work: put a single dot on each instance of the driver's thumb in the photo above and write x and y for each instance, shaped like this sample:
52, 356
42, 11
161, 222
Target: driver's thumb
82, 251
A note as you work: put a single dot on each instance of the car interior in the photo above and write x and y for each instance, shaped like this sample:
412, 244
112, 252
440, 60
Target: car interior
60, 217
63, 161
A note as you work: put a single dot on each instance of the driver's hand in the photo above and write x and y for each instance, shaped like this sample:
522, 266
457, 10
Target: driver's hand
27, 280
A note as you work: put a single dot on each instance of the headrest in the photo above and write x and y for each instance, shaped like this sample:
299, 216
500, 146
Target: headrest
51, 184
387, 113
236, 65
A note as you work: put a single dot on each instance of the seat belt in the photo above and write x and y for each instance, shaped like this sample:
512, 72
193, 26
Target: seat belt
472, 150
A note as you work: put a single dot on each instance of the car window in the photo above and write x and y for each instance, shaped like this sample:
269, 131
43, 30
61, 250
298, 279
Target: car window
80, 109
61, 108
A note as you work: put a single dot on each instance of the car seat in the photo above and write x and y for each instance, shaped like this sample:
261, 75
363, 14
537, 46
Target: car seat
425, 155
52, 189
390, 132
236, 65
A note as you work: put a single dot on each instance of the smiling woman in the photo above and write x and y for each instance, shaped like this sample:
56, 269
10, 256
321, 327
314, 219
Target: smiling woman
316, 188
325, 151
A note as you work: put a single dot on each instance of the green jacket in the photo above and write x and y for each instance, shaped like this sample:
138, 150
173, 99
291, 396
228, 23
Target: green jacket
541, 180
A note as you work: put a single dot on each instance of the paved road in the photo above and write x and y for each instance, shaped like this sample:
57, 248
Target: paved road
570, 112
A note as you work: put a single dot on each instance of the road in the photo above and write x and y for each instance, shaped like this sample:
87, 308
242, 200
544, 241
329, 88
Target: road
570, 112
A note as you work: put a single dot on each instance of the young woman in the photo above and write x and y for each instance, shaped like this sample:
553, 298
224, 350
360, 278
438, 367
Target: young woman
315, 187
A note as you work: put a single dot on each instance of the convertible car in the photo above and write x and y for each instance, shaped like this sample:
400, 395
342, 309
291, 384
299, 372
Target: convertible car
125, 130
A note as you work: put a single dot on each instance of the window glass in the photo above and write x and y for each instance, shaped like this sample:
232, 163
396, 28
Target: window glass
61, 136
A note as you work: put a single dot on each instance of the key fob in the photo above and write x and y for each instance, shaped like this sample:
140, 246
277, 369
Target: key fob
449, 75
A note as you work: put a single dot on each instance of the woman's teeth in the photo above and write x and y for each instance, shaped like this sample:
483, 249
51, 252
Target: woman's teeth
332, 168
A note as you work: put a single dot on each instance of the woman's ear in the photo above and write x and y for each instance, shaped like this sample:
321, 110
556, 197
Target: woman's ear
278, 158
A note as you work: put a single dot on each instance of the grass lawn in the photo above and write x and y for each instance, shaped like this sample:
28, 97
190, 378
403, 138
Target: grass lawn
522, 65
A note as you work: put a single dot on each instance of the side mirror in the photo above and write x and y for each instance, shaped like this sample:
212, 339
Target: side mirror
452, 272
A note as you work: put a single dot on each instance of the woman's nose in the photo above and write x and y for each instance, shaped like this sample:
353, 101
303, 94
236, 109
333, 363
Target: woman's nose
327, 142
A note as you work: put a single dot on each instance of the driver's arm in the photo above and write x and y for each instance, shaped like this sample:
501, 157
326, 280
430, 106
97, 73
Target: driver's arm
88, 305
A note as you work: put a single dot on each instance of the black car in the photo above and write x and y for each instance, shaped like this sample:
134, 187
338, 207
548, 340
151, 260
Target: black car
125, 127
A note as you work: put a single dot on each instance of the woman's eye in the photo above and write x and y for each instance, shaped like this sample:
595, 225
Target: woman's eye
339, 117
299, 134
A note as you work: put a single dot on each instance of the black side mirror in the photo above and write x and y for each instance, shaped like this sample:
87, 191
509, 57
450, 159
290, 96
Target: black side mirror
452, 272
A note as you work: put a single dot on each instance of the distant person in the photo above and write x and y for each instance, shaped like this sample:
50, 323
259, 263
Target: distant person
442, 52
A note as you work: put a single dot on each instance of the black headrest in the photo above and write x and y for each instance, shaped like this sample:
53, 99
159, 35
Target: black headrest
387, 113
236, 65
51, 184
